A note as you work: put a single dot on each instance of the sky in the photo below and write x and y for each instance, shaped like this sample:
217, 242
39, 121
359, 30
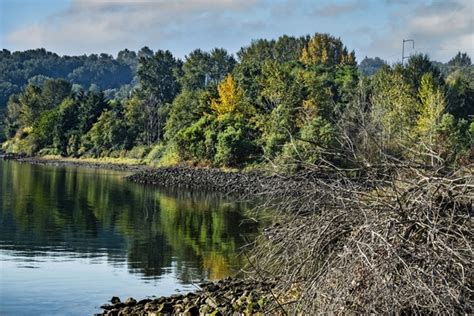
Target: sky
372, 28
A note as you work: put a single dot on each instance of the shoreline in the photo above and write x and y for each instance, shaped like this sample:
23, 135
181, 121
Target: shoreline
76, 162
239, 183
227, 296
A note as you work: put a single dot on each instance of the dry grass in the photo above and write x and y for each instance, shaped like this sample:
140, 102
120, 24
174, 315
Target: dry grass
101, 160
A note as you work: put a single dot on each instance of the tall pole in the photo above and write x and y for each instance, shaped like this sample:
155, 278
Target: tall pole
403, 48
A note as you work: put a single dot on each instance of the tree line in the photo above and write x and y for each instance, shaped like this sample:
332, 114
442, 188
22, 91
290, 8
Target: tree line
278, 102
96, 72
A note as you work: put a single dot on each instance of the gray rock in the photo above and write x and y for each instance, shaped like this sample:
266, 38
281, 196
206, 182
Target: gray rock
115, 300
130, 301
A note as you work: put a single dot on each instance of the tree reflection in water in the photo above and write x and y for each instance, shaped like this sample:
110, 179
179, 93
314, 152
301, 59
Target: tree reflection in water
91, 213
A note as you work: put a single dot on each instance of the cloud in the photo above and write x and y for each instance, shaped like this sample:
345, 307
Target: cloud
372, 27
110, 25
333, 10
439, 28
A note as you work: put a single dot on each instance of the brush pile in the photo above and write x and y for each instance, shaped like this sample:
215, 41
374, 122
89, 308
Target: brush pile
398, 244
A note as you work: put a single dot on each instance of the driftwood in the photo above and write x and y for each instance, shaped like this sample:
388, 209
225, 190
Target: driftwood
396, 238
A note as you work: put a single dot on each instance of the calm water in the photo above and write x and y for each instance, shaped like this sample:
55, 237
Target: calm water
71, 238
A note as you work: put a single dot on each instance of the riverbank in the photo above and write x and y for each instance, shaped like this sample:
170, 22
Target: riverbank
224, 297
250, 183
104, 163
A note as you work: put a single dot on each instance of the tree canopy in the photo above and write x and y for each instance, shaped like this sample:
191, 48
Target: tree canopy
280, 102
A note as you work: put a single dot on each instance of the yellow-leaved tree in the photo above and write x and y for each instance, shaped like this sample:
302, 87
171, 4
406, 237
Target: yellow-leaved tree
431, 109
231, 99
327, 50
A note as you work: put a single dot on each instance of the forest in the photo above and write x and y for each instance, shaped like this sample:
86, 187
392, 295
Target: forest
277, 103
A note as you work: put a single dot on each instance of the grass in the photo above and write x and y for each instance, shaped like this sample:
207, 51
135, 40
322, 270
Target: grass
101, 160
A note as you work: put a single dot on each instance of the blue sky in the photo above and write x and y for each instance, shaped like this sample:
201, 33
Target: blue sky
370, 27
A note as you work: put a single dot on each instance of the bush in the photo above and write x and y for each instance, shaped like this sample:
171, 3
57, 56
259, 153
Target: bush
235, 142
315, 138
170, 157
197, 141
138, 152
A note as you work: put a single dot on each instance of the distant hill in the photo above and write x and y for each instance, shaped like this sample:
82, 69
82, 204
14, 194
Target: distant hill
102, 72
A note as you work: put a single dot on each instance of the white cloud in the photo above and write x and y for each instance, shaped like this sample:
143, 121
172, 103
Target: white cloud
111, 25
439, 28
335, 9
372, 27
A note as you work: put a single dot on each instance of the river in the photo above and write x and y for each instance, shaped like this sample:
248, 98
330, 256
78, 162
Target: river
73, 237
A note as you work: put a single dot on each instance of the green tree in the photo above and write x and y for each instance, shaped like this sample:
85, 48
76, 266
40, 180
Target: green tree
90, 109
12, 116
196, 70
283, 94
108, 133
369, 66
156, 75
202, 69
45, 127
66, 129
455, 140
54, 91
235, 143
197, 142
460, 93
431, 108
326, 50
187, 108
159, 88
394, 109
314, 139
460, 60
31, 105
416, 67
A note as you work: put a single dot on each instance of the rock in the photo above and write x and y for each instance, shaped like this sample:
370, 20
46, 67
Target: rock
107, 307
191, 311
225, 297
130, 301
165, 308
115, 300
212, 287
150, 306
160, 300
125, 311
178, 308
175, 297
113, 312
144, 301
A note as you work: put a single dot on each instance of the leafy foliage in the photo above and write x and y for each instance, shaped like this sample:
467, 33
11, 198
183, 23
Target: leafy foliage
286, 101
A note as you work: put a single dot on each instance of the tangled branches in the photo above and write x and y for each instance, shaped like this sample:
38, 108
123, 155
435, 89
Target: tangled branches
398, 244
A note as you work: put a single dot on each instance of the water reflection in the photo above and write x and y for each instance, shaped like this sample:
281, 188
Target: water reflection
86, 213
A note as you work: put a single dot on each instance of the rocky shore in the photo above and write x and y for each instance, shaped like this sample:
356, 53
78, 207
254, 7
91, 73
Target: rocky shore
205, 179
215, 180
224, 297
